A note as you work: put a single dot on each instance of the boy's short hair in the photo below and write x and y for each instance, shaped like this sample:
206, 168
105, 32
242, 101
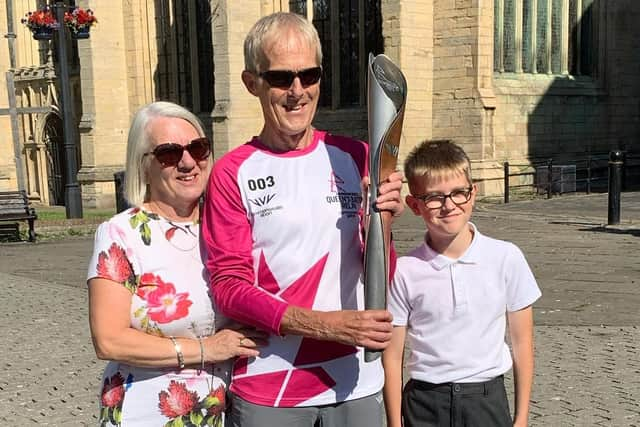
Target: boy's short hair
435, 160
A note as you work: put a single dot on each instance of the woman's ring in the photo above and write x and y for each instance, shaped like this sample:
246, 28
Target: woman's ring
241, 341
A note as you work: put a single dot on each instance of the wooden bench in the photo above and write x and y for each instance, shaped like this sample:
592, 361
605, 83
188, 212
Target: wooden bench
14, 206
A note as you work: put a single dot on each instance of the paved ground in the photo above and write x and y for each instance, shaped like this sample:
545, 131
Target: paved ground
587, 322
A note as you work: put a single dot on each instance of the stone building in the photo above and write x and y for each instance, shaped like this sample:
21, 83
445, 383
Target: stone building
511, 80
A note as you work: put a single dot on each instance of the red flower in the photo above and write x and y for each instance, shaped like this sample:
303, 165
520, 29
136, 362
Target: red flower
163, 303
218, 394
80, 18
113, 390
114, 265
170, 232
148, 283
178, 401
40, 18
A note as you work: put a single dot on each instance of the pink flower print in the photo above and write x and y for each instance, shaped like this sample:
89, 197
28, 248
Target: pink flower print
177, 401
113, 391
114, 264
117, 234
216, 401
148, 282
164, 304
170, 232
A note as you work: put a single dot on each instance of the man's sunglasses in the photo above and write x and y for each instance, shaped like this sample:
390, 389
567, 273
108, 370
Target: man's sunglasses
170, 154
283, 79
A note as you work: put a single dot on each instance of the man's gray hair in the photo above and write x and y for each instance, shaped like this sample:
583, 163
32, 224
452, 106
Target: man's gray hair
271, 26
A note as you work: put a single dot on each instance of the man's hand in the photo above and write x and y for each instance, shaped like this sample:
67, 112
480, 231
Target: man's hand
369, 328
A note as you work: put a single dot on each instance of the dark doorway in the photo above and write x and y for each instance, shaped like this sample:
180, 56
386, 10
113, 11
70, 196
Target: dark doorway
54, 141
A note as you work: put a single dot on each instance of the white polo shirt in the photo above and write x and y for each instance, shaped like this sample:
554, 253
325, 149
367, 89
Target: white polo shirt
455, 310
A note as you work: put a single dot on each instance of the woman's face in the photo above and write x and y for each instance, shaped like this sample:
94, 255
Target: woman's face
175, 186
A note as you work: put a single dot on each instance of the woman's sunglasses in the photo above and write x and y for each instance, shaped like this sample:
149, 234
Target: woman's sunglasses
170, 154
283, 79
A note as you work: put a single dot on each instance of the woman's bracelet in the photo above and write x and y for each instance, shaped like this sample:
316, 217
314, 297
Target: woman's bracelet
201, 353
176, 346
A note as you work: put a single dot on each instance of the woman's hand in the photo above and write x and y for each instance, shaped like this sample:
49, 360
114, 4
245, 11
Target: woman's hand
228, 343
115, 339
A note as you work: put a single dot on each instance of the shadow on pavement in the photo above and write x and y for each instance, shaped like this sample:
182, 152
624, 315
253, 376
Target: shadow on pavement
611, 230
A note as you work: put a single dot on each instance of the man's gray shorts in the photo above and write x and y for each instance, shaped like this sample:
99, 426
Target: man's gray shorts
364, 412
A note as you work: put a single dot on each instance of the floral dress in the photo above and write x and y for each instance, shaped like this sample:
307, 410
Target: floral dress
160, 262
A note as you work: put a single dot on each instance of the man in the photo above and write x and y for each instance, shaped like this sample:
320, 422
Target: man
282, 224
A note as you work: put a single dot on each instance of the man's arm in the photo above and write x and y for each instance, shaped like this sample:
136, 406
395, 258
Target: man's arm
392, 359
521, 334
227, 235
369, 328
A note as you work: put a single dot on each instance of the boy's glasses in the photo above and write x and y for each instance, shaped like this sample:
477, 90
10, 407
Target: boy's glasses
436, 201
170, 154
283, 79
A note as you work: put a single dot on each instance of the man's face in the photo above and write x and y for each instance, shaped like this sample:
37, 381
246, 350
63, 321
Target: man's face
288, 112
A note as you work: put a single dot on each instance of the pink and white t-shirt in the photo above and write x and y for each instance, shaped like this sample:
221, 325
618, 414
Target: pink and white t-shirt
284, 228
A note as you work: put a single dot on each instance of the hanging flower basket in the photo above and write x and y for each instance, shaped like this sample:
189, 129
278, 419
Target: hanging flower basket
43, 33
79, 21
81, 33
42, 23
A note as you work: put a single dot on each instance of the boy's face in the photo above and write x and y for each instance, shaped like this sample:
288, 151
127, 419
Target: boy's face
444, 218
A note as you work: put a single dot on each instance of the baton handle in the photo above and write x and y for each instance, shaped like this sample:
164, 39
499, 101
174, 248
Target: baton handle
376, 264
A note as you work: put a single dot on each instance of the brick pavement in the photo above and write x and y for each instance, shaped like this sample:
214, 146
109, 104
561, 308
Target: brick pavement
587, 322
50, 374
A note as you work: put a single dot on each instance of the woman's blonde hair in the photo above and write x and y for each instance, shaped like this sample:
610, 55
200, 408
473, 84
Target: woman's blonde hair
433, 161
271, 26
139, 143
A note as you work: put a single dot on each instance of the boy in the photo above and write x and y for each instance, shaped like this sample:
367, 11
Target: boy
452, 297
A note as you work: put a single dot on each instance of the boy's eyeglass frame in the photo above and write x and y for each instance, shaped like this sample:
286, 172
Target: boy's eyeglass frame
436, 201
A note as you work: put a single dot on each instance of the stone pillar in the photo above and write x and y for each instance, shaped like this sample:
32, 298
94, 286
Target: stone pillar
464, 101
105, 103
407, 26
236, 115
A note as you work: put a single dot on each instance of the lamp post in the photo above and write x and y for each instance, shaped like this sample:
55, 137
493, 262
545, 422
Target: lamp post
72, 196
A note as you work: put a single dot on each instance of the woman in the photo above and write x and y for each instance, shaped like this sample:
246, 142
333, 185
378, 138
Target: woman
149, 308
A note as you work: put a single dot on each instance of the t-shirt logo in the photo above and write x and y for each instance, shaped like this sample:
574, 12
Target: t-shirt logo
261, 195
349, 202
262, 201
335, 183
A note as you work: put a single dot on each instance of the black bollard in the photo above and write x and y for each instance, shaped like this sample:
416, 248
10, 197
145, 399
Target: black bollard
615, 186
121, 202
506, 182
549, 178
589, 174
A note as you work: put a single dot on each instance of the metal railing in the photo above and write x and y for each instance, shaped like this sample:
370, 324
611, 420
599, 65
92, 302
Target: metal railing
549, 177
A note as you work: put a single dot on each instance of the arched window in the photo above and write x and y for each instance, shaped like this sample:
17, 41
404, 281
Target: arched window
349, 30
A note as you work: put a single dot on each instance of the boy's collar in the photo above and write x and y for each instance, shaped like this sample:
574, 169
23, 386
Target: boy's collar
439, 261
